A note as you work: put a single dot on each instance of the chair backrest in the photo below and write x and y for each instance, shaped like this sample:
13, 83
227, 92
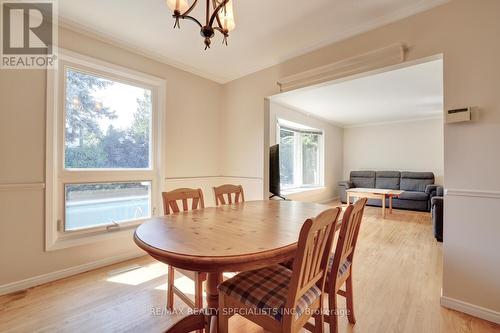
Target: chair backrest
313, 251
229, 191
183, 194
348, 237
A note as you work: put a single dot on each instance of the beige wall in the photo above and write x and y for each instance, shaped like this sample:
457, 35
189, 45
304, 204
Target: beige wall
402, 146
332, 139
466, 33
191, 128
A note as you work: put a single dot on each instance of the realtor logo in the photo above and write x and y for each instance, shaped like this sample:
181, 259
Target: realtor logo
29, 30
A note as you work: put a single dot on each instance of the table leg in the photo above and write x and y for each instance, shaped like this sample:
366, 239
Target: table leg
390, 204
213, 280
348, 199
383, 206
204, 320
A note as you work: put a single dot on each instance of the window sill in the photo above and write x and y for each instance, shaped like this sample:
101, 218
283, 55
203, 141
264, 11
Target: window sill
63, 241
301, 190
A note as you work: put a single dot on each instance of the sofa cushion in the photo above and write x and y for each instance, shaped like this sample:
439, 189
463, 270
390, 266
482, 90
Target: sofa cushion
416, 196
387, 179
364, 179
416, 181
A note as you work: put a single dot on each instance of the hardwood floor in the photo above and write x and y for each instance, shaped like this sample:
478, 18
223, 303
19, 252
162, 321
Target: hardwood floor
397, 282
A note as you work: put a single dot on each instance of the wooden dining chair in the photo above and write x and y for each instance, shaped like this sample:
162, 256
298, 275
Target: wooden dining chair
171, 206
276, 298
229, 191
341, 263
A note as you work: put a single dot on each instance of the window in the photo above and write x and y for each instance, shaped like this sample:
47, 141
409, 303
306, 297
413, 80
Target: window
107, 123
300, 155
104, 170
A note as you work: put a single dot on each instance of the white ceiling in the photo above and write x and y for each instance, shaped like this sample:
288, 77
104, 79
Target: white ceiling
267, 31
409, 93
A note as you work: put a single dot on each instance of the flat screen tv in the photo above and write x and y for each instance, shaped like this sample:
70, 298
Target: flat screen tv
274, 172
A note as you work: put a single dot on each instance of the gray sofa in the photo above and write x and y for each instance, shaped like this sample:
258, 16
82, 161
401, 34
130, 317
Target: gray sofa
418, 187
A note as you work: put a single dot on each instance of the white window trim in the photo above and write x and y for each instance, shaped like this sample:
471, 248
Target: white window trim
297, 161
54, 238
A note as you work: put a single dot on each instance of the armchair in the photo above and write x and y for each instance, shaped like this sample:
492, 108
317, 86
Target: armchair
343, 186
437, 207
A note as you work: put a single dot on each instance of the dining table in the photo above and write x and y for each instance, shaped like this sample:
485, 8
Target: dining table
228, 238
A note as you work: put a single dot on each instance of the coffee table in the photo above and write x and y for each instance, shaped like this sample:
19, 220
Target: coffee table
374, 193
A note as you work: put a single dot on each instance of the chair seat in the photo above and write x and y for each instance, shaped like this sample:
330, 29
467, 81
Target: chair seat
342, 269
266, 289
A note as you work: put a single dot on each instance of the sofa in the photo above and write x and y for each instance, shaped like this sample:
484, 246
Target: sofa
437, 208
418, 187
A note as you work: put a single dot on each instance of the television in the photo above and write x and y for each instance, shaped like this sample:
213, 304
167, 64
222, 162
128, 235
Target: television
274, 172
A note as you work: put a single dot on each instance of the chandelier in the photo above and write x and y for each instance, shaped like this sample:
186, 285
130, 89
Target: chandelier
218, 17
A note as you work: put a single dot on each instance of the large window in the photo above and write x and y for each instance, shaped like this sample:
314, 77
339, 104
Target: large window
300, 155
104, 173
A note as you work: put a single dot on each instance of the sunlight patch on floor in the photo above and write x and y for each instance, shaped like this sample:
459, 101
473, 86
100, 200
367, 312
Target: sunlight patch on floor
184, 284
140, 275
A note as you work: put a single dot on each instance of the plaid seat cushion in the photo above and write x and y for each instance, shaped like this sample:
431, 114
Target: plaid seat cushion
342, 269
266, 289
288, 264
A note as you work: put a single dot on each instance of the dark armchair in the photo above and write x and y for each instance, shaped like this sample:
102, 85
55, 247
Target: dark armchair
437, 213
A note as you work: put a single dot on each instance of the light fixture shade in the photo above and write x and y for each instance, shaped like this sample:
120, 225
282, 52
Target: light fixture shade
180, 5
227, 16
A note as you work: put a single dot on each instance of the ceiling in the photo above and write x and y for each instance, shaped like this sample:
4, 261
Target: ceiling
267, 31
408, 93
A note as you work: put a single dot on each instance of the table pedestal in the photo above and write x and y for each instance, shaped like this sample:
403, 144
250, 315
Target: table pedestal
208, 318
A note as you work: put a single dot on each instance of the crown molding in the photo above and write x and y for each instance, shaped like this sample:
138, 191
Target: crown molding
413, 9
115, 41
399, 14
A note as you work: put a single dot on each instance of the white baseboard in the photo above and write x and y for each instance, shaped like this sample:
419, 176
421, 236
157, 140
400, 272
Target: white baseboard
471, 309
63, 273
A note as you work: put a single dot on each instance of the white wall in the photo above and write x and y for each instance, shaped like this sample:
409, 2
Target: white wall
403, 146
332, 138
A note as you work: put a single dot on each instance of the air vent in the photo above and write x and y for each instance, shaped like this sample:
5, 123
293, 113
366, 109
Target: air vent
458, 115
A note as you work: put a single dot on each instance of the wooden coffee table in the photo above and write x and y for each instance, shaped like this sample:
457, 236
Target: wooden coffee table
374, 193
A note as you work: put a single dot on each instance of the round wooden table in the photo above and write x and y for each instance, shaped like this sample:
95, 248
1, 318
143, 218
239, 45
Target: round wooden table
228, 238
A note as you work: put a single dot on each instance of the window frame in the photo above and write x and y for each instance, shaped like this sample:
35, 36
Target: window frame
298, 175
57, 176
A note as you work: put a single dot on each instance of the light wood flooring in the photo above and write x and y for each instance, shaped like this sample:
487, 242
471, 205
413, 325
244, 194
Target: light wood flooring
397, 283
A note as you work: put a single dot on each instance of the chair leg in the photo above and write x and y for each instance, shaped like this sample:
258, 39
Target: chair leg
198, 291
350, 300
319, 319
223, 315
170, 288
332, 307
